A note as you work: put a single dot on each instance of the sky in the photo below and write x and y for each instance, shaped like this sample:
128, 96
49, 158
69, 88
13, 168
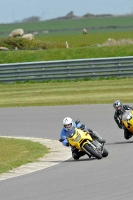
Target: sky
17, 10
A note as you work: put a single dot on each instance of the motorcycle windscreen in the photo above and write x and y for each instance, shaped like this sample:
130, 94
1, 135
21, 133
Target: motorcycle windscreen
70, 133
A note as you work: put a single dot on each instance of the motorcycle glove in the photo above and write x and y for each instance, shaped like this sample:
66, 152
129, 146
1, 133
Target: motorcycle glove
120, 126
61, 139
126, 107
82, 127
77, 121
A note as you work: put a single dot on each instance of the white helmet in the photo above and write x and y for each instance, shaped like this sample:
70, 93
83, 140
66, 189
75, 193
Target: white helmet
67, 121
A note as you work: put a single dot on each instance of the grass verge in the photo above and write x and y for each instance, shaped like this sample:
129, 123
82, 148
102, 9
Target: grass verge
66, 92
65, 54
54, 48
16, 152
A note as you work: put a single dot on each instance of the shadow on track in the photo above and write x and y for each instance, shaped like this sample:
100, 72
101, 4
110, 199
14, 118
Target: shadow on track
81, 159
126, 142
72, 160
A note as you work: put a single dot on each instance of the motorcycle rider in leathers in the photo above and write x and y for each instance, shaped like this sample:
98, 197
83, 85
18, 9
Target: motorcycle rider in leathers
119, 110
68, 126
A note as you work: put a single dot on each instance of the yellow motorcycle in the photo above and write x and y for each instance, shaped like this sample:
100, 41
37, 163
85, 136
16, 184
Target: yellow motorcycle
83, 141
127, 120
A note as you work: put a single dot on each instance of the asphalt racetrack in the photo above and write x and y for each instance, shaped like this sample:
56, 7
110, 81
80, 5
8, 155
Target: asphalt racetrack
110, 178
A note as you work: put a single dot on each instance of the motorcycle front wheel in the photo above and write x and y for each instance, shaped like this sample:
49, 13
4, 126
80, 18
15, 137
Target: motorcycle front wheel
93, 152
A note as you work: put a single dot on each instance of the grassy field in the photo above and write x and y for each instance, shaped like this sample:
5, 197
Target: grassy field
73, 26
80, 40
80, 47
16, 152
66, 93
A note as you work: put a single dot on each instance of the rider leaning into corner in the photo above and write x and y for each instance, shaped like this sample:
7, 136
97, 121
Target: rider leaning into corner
119, 110
68, 125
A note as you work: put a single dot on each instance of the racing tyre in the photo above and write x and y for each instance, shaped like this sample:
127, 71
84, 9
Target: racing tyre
93, 152
105, 153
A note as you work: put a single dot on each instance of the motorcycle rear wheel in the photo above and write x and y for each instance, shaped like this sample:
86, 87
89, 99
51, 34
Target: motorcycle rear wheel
105, 153
93, 152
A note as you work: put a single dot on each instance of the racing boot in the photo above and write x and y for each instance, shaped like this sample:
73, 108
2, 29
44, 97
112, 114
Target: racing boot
94, 136
76, 154
101, 140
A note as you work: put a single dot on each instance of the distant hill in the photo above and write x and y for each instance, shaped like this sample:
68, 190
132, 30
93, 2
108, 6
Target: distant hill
71, 15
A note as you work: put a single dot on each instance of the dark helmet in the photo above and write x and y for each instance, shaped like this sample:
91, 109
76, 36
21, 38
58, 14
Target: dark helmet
118, 105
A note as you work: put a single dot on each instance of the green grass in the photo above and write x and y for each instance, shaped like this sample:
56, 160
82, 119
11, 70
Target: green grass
65, 54
80, 40
16, 152
66, 93
81, 46
56, 27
